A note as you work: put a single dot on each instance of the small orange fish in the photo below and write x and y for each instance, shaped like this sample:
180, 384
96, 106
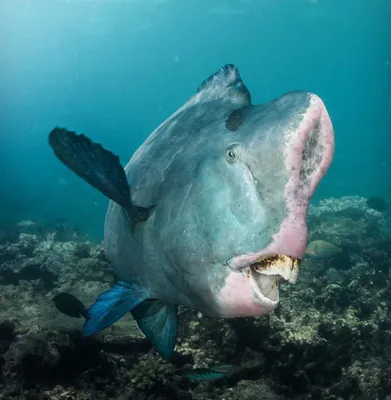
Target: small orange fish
322, 250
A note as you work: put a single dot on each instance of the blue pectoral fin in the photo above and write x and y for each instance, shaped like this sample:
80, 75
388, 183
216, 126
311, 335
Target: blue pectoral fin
159, 322
111, 305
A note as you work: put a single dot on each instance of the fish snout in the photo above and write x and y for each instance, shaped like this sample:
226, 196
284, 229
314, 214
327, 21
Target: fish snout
305, 150
254, 290
297, 150
266, 273
308, 149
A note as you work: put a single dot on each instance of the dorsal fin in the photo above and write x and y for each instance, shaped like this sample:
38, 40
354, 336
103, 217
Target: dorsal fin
226, 83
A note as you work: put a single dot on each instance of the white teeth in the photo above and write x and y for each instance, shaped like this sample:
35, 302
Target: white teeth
265, 274
284, 266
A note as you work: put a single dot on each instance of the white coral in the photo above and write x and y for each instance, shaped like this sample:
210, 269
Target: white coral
347, 205
336, 205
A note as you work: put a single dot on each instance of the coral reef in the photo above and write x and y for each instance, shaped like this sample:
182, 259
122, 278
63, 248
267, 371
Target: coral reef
329, 339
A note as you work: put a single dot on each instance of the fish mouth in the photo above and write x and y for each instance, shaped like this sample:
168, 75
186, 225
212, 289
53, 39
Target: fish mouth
266, 273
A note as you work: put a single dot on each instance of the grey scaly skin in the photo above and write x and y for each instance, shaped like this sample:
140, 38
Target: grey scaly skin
210, 208
210, 211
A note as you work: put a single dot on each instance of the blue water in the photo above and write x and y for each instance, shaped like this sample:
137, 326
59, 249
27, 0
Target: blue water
115, 69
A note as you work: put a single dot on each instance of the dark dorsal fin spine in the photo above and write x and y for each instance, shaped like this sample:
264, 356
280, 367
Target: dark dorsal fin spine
226, 80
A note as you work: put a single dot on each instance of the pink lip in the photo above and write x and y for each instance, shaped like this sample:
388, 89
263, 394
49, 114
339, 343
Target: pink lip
291, 239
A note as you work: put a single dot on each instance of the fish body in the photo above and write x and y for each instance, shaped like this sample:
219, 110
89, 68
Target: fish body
322, 250
204, 207
211, 374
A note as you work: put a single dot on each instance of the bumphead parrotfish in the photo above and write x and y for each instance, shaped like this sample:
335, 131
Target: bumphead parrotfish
210, 211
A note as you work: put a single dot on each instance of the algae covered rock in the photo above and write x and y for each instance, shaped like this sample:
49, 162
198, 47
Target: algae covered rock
328, 339
148, 372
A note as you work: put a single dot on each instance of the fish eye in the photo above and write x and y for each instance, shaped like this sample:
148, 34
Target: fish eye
232, 155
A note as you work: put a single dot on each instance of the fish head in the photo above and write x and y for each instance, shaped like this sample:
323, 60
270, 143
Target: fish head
236, 223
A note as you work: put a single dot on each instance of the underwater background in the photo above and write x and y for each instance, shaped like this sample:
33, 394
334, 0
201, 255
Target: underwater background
115, 70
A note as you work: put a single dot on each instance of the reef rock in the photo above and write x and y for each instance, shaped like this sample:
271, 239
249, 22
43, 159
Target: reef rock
330, 338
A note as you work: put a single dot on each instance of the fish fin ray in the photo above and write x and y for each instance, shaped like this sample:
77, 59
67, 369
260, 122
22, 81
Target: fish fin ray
99, 167
111, 305
226, 83
159, 323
